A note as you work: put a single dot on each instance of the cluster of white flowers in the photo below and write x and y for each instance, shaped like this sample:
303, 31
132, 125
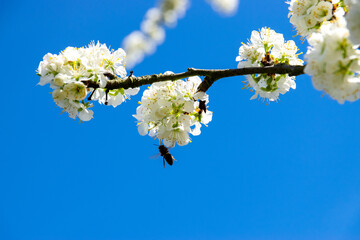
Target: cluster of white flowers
66, 71
333, 62
140, 43
226, 7
170, 111
353, 21
332, 58
308, 15
267, 48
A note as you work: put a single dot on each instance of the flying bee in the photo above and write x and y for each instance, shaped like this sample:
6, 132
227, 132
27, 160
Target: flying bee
164, 152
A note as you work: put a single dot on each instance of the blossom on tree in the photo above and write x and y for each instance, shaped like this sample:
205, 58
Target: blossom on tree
140, 43
353, 21
333, 62
170, 111
66, 72
227, 7
308, 15
172, 10
267, 48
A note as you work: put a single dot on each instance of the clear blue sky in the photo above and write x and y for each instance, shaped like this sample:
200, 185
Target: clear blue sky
284, 171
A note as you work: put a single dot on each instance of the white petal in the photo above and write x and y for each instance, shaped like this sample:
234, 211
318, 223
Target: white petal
86, 115
254, 96
45, 79
196, 131
206, 117
143, 128
132, 91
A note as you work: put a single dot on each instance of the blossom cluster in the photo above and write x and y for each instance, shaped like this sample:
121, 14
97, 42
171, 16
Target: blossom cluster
170, 111
308, 15
144, 42
333, 62
333, 55
353, 21
66, 72
140, 43
267, 48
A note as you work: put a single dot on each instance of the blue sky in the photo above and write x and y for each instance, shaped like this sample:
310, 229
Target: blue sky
284, 171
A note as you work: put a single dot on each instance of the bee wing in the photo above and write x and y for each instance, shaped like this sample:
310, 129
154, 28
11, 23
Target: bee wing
155, 156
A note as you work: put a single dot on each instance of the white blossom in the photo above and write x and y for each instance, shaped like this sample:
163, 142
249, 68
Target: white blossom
138, 44
353, 22
333, 62
172, 10
267, 48
308, 15
226, 7
66, 71
75, 91
170, 111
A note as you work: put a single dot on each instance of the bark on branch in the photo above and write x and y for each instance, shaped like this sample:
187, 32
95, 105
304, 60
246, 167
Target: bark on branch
210, 76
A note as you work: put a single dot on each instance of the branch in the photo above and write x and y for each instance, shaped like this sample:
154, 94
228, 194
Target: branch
210, 76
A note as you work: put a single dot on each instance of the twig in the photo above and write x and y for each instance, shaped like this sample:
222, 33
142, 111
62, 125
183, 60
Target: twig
211, 75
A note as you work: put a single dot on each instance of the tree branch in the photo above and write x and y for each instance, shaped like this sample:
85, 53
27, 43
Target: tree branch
210, 76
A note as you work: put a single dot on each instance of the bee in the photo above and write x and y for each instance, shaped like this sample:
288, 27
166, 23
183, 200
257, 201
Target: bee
164, 152
267, 60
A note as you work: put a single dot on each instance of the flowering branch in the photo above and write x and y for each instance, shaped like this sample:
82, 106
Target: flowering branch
170, 110
211, 75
